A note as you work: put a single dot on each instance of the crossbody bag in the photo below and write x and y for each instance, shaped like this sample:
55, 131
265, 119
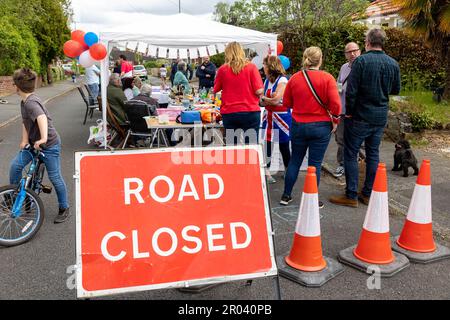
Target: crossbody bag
316, 96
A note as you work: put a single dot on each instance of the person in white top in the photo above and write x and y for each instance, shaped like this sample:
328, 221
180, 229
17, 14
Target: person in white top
128, 88
92, 80
163, 75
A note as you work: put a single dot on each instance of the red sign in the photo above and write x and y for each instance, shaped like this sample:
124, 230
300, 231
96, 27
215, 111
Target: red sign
150, 219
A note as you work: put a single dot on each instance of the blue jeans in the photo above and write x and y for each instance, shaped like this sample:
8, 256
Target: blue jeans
235, 123
52, 164
313, 135
94, 90
355, 133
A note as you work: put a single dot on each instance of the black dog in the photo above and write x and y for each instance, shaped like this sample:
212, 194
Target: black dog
404, 158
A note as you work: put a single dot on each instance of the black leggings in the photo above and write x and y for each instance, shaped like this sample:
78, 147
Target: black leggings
284, 150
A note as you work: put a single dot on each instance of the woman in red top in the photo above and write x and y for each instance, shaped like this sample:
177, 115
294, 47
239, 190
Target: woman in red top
312, 123
241, 86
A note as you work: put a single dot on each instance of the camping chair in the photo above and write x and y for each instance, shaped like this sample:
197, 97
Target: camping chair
136, 111
91, 96
117, 131
89, 108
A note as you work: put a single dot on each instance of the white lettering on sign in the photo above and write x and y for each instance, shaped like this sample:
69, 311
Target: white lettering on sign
136, 192
153, 189
206, 178
133, 188
156, 245
104, 246
189, 238
248, 233
212, 235
187, 179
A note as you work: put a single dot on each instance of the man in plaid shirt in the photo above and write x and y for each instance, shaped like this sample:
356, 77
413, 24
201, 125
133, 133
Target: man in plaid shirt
373, 78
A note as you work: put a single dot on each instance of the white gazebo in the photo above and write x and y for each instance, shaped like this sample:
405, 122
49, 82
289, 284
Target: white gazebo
178, 35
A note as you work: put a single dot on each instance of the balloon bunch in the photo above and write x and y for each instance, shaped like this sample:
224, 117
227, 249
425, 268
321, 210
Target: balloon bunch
284, 60
84, 47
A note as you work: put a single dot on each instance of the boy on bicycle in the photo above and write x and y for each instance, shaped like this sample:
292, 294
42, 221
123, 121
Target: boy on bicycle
37, 129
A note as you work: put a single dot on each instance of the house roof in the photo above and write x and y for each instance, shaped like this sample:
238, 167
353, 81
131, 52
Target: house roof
381, 8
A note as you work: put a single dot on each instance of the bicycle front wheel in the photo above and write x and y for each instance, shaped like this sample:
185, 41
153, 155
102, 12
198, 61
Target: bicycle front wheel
18, 230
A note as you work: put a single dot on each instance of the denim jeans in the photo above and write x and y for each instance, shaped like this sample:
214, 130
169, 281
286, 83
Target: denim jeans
51, 160
355, 133
314, 136
237, 123
94, 90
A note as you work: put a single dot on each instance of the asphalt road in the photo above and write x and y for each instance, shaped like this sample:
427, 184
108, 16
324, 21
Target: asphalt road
39, 268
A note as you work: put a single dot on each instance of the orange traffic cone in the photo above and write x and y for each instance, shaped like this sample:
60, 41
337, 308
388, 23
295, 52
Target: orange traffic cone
374, 244
306, 252
416, 240
305, 263
417, 233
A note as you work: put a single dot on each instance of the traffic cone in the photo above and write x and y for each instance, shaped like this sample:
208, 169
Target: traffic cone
416, 238
305, 263
417, 233
306, 252
374, 245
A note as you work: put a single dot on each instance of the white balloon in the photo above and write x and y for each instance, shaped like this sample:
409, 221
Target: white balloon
258, 61
86, 60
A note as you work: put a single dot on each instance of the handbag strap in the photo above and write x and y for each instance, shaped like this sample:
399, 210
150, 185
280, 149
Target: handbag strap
316, 96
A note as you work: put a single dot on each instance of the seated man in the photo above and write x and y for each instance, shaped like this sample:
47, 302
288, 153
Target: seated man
116, 98
146, 91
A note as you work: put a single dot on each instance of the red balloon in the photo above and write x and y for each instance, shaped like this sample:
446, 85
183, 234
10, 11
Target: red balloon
279, 47
72, 48
97, 51
78, 35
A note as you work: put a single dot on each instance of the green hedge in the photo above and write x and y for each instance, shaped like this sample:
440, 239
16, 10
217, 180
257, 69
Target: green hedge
420, 65
18, 47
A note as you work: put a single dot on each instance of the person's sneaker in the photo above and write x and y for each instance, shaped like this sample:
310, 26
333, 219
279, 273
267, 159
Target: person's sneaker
363, 199
285, 200
62, 216
321, 205
344, 201
339, 171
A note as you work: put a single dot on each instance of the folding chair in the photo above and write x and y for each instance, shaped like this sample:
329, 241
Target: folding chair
89, 108
91, 100
136, 111
117, 130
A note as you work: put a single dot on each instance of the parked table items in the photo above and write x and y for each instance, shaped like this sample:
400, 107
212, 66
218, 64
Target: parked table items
161, 95
191, 134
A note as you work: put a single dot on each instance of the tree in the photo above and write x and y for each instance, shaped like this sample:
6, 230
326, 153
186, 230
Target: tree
430, 19
18, 47
47, 20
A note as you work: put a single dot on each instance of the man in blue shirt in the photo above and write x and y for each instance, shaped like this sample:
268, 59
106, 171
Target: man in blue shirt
373, 78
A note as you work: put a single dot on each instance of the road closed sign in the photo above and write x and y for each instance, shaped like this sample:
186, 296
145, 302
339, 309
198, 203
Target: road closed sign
170, 218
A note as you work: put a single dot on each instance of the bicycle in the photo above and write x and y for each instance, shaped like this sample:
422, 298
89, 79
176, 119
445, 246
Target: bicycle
21, 210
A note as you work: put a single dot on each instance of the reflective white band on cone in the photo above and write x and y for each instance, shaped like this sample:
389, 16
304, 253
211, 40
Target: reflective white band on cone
308, 222
377, 217
420, 207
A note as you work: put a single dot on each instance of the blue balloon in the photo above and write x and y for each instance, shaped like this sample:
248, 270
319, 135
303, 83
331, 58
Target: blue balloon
90, 38
285, 61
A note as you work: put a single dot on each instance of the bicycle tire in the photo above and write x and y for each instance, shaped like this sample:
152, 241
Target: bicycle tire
35, 226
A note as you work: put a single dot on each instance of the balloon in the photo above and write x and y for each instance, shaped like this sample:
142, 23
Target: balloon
86, 60
285, 62
90, 38
72, 48
279, 47
98, 51
78, 35
258, 61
